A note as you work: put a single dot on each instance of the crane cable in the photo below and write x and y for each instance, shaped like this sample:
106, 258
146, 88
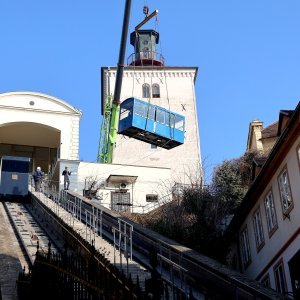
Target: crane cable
149, 89
165, 77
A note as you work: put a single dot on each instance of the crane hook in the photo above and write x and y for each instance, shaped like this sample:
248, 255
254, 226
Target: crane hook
146, 11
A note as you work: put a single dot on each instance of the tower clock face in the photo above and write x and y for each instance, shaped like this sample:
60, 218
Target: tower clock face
145, 42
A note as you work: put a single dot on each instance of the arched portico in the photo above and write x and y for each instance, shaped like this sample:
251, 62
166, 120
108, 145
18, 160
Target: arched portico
39, 126
39, 142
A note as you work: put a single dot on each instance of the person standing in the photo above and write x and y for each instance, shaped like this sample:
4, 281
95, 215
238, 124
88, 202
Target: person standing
38, 177
66, 175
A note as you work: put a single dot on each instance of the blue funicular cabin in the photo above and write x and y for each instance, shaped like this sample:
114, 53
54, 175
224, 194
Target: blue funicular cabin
151, 124
14, 175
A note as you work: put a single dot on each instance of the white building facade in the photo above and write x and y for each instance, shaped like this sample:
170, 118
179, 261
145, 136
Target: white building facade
124, 188
268, 223
38, 126
172, 88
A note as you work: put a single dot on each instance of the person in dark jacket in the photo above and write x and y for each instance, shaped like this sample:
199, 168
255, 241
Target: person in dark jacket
38, 178
66, 175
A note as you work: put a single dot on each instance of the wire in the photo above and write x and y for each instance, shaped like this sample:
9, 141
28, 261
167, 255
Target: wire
165, 77
150, 88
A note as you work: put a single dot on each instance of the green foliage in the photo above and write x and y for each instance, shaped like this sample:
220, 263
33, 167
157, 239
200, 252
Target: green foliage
231, 180
199, 219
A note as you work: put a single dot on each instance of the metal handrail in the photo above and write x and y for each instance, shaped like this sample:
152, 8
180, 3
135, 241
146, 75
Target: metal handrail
145, 55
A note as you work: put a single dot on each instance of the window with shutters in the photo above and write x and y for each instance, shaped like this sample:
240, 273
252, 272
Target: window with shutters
258, 230
280, 278
270, 213
245, 247
285, 192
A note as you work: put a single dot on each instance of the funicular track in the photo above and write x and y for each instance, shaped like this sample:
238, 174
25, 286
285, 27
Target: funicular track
84, 270
169, 270
30, 234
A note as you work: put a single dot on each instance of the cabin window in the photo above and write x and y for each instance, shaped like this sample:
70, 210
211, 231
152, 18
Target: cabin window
285, 192
155, 90
140, 109
172, 120
160, 116
146, 90
258, 230
167, 118
179, 123
124, 113
245, 247
150, 112
280, 278
126, 110
270, 213
151, 198
16, 166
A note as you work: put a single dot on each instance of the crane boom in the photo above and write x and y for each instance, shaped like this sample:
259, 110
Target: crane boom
110, 122
115, 108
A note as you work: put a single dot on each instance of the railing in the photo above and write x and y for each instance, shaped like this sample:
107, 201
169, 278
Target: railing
138, 58
74, 278
184, 264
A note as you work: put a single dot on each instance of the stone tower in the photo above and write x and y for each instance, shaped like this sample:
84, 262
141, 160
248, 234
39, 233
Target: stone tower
147, 78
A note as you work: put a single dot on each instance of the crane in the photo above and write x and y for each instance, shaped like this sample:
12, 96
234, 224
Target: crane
110, 121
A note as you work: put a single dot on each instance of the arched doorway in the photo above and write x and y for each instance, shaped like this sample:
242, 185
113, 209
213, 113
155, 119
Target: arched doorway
28, 139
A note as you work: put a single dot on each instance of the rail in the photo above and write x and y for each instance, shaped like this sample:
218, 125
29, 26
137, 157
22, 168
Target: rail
194, 267
173, 262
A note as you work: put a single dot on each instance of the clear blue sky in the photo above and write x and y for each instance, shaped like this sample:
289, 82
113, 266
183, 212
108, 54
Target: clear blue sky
247, 53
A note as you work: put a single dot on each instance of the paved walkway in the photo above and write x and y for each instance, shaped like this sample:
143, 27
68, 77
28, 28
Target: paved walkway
10, 265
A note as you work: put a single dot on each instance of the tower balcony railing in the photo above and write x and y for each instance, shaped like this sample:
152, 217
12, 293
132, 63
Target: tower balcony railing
146, 58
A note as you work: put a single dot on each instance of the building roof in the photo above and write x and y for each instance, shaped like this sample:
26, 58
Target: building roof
288, 136
284, 116
270, 131
45, 97
259, 161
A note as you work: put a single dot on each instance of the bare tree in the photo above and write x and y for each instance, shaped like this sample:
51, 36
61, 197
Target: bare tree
198, 214
92, 184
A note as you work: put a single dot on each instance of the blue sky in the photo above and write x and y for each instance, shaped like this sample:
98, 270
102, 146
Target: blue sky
247, 53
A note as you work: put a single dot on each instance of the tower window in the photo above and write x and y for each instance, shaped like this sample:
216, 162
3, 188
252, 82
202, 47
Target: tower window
155, 90
146, 90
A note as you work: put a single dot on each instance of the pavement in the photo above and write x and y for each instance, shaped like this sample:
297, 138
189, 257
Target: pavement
10, 264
